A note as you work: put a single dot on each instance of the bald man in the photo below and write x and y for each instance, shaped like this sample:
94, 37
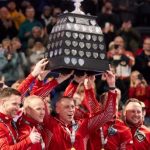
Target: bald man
133, 116
34, 112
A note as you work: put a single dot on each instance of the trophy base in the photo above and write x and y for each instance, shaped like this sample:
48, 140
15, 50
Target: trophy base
76, 71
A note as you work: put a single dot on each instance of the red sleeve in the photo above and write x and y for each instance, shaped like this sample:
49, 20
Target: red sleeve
4, 144
70, 90
131, 92
103, 116
45, 89
24, 86
91, 102
37, 85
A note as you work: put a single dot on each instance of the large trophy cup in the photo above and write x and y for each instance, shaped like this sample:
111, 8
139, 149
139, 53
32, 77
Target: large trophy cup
76, 43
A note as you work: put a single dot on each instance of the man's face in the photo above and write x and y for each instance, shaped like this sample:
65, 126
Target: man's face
30, 13
12, 6
11, 105
16, 44
36, 109
119, 41
146, 44
36, 32
66, 109
134, 112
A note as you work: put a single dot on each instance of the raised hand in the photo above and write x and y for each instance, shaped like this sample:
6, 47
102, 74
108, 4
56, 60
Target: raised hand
79, 79
63, 77
43, 74
39, 67
34, 136
110, 78
89, 82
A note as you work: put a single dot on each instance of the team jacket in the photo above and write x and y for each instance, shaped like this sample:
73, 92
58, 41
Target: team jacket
120, 136
141, 137
25, 125
114, 135
60, 139
6, 139
39, 88
25, 85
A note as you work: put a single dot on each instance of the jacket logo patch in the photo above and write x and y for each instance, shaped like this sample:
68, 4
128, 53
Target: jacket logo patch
140, 136
112, 131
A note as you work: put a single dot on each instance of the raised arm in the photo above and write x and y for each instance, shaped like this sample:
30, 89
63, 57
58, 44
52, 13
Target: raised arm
72, 87
90, 100
45, 89
24, 86
108, 112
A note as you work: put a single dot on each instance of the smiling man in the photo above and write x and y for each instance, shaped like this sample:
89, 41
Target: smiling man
10, 101
66, 109
69, 133
133, 116
34, 112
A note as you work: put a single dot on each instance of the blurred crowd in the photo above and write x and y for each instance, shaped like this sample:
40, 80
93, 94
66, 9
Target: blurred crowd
25, 26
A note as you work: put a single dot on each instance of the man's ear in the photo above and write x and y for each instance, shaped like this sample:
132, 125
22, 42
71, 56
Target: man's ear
27, 110
57, 109
2, 101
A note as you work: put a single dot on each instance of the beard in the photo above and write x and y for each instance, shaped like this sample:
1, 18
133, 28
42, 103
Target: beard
131, 124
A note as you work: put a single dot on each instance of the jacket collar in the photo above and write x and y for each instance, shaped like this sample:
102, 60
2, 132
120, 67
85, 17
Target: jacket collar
5, 118
30, 121
62, 123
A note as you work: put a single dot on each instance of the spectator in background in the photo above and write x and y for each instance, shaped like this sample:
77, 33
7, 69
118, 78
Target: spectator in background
122, 61
6, 43
23, 62
131, 36
46, 16
142, 63
23, 5
109, 33
37, 52
17, 16
107, 15
145, 46
37, 33
9, 65
27, 26
56, 11
140, 90
7, 26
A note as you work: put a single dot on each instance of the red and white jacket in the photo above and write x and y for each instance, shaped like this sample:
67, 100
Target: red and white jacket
60, 139
8, 132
